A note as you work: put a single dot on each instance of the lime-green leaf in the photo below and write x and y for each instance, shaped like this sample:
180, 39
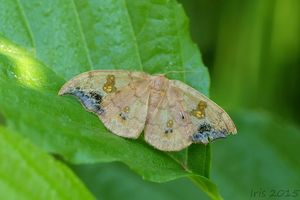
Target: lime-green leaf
28, 173
64, 39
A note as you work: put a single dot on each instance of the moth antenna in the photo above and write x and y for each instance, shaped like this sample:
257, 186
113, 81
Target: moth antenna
178, 72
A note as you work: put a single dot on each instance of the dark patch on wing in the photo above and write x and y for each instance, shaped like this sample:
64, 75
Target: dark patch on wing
96, 96
204, 127
182, 116
206, 133
168, 130
91, 100
123, 116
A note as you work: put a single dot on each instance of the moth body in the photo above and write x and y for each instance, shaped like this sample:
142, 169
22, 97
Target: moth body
172, 114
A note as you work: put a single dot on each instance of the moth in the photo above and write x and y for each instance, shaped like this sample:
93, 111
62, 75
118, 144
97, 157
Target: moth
172, 114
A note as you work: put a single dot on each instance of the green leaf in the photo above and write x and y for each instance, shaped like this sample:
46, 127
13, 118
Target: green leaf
264, 157
45, 178
64, 39
113, 181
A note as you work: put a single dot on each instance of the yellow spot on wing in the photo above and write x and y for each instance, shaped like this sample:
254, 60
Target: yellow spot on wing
170, 124
109, 86
200, 111
126, 109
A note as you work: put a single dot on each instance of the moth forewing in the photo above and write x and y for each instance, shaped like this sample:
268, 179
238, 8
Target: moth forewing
210, 120
125, 111
172, 114
165, 129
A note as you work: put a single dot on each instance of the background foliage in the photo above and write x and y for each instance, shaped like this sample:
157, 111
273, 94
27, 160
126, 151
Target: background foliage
250, 47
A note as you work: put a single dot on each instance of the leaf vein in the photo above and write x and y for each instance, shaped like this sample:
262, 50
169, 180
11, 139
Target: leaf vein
133, 34
85, 46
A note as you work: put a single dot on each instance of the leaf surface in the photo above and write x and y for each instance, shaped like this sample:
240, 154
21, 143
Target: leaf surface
63, 39
45, 177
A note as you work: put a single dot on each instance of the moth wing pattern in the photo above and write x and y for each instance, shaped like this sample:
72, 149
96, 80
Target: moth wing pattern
89, 87
168, 126
172, 114
209, 120
125, 111
99, 91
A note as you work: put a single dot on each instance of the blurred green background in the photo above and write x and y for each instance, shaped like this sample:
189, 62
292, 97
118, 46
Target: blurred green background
252, 50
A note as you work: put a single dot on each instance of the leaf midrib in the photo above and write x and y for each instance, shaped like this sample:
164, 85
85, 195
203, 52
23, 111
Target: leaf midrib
133, 35
85, 46
24, 18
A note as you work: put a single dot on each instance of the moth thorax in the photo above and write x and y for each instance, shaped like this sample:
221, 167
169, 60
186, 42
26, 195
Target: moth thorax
159, 83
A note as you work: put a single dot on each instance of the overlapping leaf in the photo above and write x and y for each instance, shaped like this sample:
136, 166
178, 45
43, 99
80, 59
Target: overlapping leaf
45, 177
